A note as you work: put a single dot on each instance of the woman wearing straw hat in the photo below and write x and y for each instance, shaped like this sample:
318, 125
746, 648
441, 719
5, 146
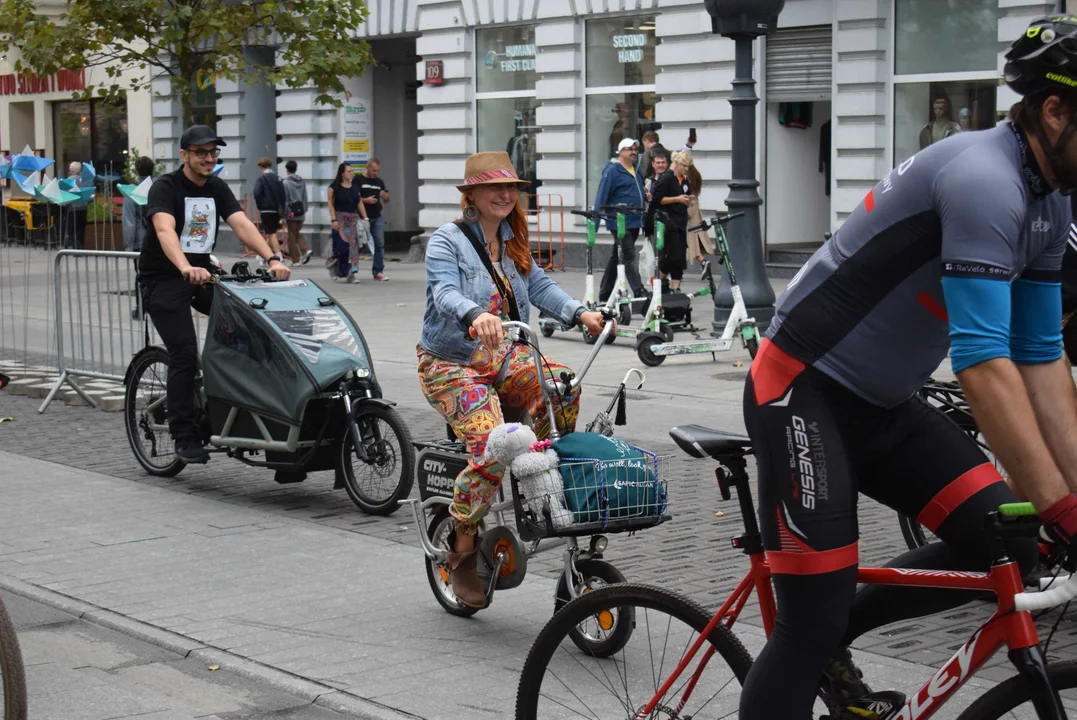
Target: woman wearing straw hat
479, 272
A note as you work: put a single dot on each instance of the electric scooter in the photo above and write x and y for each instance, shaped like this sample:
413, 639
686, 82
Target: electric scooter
549, 325
654, 347
621, 295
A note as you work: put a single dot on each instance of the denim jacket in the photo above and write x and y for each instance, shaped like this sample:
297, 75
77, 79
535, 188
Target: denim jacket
457, 284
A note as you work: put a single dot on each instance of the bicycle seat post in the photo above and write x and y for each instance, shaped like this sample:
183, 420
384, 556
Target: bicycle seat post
734, 473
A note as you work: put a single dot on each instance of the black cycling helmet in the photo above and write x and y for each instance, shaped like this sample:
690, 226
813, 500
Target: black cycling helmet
1044, 58
1044, 61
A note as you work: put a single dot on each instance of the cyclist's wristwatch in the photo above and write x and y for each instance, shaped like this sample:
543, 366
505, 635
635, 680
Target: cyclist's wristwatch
278, 257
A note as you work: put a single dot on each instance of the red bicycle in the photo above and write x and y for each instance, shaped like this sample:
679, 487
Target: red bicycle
667, 669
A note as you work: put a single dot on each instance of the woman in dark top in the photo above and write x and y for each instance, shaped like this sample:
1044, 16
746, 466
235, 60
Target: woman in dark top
671, 194
345, 211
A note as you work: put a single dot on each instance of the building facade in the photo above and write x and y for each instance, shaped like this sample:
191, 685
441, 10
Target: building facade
848, 89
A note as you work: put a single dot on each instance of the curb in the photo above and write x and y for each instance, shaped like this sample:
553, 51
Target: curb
310, 690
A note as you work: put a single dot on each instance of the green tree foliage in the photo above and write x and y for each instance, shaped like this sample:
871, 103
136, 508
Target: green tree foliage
192, 42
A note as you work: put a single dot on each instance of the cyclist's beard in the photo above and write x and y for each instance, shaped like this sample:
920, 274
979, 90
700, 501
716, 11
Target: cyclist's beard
1065, 173
200, 169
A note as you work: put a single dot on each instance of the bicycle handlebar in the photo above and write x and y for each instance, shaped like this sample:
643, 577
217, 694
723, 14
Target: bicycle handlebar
718, 220
562, 386
1047, 598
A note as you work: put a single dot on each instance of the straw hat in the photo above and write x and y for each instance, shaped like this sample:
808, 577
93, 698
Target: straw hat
490, 168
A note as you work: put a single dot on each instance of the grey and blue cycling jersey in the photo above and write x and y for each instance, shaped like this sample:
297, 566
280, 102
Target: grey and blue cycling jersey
958, 249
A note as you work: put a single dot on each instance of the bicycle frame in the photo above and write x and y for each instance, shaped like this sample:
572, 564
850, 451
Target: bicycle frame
1015, 629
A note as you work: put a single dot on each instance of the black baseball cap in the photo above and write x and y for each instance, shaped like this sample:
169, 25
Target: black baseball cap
199, 135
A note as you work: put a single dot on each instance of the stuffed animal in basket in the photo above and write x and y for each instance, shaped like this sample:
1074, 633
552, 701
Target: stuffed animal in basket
534, 468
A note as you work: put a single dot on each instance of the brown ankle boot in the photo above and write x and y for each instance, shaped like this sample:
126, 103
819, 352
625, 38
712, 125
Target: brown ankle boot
464, 574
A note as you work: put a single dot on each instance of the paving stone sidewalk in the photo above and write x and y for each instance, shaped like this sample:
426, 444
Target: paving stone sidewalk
319, 603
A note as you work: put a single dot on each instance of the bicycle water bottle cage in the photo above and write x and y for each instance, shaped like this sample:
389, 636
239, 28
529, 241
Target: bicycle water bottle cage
258, 303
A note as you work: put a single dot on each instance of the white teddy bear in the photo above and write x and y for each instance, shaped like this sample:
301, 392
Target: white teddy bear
534, 467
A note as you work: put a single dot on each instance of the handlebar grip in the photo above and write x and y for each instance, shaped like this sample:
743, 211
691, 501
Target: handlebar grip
1048, 598
702, 226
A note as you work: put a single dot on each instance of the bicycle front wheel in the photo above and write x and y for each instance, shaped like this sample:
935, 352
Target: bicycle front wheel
1013, 699
561, 680
12, 676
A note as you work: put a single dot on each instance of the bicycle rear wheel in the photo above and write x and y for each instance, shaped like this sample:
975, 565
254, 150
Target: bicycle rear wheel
1012, 699
561, 680
12, 675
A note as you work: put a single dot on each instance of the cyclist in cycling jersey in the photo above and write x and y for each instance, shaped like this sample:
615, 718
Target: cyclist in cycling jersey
959, 248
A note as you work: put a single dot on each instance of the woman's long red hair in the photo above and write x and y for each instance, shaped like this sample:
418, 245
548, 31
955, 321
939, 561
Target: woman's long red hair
519, 248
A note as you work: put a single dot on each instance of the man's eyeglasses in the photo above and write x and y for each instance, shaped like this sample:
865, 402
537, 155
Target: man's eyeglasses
203, 153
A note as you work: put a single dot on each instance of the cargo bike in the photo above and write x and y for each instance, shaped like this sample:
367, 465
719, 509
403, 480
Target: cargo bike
503, 552
285, 382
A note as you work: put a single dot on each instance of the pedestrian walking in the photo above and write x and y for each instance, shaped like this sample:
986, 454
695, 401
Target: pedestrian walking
374, 195
346, 211
135, 223
269, 198
621, 184
295, 212
699, 241
78, 210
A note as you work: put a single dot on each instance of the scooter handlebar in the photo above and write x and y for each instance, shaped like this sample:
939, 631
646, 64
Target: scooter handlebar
718, 220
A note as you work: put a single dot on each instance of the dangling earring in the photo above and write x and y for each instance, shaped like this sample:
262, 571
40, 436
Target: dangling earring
471, 213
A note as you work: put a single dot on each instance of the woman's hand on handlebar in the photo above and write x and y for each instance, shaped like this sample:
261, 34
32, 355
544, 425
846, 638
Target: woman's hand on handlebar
594, 322
487, 328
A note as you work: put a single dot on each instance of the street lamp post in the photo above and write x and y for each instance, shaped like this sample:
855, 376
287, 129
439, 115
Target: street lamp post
744, 21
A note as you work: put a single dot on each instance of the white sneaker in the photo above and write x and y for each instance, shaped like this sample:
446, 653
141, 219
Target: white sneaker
352, 278
306, 257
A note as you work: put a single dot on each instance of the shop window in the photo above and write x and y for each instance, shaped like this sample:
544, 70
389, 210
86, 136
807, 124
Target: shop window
620, 51
505, 101
509, 124
925, 113
91, 130
943, 36
620, 87
505, 59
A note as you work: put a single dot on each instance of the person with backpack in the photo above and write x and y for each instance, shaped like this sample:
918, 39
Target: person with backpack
295, 209
135, 225
269, 198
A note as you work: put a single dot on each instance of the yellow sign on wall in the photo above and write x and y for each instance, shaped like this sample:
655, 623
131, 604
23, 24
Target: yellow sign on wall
356, 146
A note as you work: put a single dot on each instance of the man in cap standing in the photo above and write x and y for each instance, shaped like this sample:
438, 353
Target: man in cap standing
621, 184
183, 208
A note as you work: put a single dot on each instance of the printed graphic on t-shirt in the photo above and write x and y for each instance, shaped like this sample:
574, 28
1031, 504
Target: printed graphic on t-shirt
199, 225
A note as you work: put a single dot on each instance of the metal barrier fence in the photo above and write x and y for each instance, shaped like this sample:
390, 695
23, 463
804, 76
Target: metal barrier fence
548, 210
99, 322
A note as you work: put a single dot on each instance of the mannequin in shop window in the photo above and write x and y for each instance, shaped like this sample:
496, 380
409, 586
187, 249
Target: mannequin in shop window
941, 127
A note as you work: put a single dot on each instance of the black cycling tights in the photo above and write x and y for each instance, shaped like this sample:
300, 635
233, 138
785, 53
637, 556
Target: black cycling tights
817, 446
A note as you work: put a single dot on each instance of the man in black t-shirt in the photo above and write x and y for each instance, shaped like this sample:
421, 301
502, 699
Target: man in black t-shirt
184, 208
372, 191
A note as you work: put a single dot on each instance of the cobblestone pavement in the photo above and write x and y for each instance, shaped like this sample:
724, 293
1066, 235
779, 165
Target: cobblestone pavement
691, 553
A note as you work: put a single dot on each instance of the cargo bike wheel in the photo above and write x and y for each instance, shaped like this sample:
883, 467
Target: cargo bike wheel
145, 413
438, 530
605, 633
379, 475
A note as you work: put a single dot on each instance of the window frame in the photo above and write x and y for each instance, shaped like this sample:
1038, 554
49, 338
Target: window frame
93, 103
588, 90
476, 96
920, 78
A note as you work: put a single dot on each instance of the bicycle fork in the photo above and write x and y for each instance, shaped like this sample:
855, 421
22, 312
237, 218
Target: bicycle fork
1032, 665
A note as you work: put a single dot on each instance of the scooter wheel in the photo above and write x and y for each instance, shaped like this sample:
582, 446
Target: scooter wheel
644, 349
606, 633
625, 316
753, 346
667, 333
588, 337
441, 525
547, 330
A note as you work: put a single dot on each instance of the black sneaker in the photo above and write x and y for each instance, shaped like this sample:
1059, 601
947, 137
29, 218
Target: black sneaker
873, 706
189, 450
843, 680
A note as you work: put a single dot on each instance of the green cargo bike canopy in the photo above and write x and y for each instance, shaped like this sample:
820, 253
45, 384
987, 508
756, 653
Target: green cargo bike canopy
272, 346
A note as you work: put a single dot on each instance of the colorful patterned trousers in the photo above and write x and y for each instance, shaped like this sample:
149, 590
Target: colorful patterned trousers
470, 398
